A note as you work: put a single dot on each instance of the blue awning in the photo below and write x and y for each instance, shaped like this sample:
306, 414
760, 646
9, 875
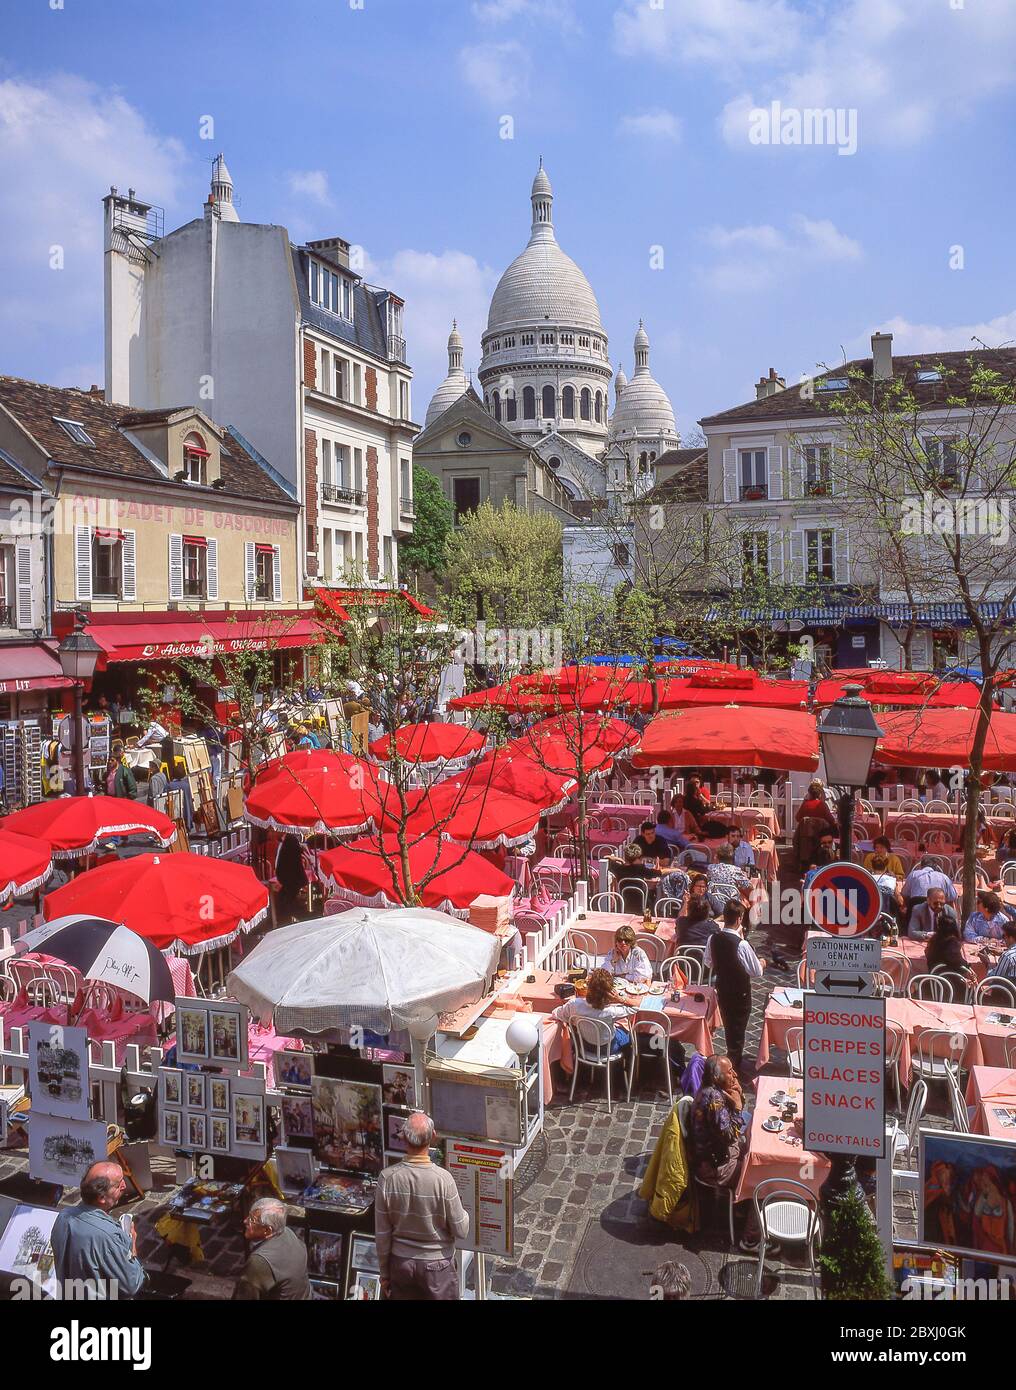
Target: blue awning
895, 614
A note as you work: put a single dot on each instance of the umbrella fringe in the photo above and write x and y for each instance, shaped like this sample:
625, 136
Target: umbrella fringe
304, 832
501, 841
383, 900
214, 943
164, 842
15, 890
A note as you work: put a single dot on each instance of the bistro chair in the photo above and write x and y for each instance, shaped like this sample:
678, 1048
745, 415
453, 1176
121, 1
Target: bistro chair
609, 798
941, 862
937, 807
805, 978
1009, 1051
761, 798
940, 842
554, 882
937, 1051
695, 855
720, 1193
911, 806
959, 989
8, 989
866, 807
583, 941
606, 902
592, 1041
795, 1051
1001, 811
564, 845
896, 965
960, 1113
668, 907
649, 1036
654, 948
931, 987
1009, 874
883, 984
601, 851
902, 1138
995, 985
639, 887
787, 1214
569, 958
896, 1036
691, 966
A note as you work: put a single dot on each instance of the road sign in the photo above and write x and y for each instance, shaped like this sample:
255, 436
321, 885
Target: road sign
857, 983
843, 900
843, 953
844, 1076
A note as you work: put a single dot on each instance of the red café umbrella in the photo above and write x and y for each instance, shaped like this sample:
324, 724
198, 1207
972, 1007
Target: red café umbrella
330, 798
25, 864
480, 816
510, 770
731, 736
722, 688
458, 877
562, 755
901, 689
74, 826
606, 733
428, 746
943, 738
304, 759
191, 902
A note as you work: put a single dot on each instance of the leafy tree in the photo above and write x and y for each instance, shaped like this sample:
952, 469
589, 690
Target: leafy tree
852, 1261
423, 554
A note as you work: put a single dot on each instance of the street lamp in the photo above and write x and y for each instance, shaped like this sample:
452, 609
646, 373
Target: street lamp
847, 735
78, 655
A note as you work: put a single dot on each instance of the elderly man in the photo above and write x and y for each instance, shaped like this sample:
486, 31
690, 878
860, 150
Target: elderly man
92, 1250
922, 879
726, 882
418, 1217
923, 918
276, 1267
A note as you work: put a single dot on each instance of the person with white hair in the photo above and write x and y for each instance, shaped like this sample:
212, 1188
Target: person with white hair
276, 1267
418, 1217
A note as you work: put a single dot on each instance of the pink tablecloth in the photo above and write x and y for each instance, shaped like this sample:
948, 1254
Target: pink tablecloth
748, 816
138, 1029
994, 1036
924, 820
991, 1089
778, 1155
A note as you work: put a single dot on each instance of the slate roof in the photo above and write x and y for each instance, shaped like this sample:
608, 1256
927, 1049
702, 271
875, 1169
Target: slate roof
368, 329
958, 368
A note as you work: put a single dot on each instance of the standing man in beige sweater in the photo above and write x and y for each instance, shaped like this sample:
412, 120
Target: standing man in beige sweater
418, 1219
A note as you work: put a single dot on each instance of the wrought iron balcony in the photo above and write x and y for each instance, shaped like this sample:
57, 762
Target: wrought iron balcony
344, 496
396, 348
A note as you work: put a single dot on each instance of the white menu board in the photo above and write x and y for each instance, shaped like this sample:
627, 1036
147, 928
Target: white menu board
482, 1174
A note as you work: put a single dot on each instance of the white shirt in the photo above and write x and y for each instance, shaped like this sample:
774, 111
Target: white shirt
745, 953
155, 733
744, 854
920, 881
572, 1010
636, 967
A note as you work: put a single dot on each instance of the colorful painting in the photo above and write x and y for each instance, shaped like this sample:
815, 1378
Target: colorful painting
25, 1250
197, 1136
968, 1193
192, 1034
219, 1134
297, 1118
218, 1095
249, 1120
227, 1044
325, 1254
399, 1086
293, 1069
347, 1124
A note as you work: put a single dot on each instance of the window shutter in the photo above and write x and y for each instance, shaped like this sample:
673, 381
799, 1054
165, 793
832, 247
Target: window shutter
795, 470
176, 567
797, 558
130, 569
276, 574
23, 580
776, 556
837, 469
775, 459
249, 572
730, 475
841, 555
83, 562
212, 570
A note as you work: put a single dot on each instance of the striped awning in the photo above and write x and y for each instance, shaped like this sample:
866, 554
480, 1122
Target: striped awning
895, 614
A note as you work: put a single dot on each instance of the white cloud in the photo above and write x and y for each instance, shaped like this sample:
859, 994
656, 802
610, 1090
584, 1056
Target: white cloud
905, 68
312, 184
652, 125
497, 72
437, 288
751, 257
63, 141
932, 337
558, 12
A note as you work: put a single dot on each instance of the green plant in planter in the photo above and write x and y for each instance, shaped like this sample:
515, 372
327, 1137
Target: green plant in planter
852, 1261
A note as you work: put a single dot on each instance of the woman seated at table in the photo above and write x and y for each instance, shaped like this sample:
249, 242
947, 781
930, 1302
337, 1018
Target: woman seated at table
632, 866
881, 849
719, 1128
945, 946
696, 925
812, 818
682, 819
988, 922
600, 1002
696, 798
627, 961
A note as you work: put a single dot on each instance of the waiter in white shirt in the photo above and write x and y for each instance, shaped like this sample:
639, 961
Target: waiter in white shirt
735, 964
744, 854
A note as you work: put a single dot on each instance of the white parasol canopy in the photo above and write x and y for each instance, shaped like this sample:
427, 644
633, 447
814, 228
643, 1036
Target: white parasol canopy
367, 967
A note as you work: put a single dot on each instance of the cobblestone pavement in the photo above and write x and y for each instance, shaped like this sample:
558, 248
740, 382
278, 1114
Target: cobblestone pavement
581, 1230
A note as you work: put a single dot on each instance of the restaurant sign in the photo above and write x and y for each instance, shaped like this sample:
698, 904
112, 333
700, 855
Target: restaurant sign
206, 646
844, 1075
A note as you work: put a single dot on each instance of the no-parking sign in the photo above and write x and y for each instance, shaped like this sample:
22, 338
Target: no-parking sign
843, 900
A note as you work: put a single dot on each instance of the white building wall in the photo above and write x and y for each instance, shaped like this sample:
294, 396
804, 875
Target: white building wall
589, 558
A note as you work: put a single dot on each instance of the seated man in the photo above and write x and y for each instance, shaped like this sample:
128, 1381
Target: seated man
1005, 966
988, 922
725, 881
922, 878
924, 918
744, 853
881, 845
651, 845
823, 855
631, 866
667, 832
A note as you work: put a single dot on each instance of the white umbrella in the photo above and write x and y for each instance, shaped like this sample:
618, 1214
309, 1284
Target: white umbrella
368, 967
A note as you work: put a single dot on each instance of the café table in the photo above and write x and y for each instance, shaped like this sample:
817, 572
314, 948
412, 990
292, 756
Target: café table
989, 1090
778, 1155
994, 1034
747, 817
602, 926
925, 821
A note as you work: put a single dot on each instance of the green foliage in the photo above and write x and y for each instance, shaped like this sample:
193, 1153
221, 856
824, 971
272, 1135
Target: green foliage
424, 551
852, 1261
512, 560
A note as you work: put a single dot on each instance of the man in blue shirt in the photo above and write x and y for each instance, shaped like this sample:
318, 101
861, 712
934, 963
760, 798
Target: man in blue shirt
666, 832
91, 1247
743, 852
1005, 966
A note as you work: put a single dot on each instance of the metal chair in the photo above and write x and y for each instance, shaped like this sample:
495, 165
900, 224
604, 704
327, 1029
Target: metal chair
928, 987
942, 862
568, 958
654, 948
592, 1040
668, 907
936, 1051
761, 798
960, 1114
720, 1191
911, 806
903, 1137
637, 886
936, 806
659, 1042
883, 983
1009, 1052
805, 977
787, 1215
692, 967
896, 1036
1009, 874
606, 902
696, 855
795, 1051
959, 987
529, 921
897, 966
583, 941
995, 984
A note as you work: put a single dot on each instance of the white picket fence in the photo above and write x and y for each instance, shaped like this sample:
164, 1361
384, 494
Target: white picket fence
545, 948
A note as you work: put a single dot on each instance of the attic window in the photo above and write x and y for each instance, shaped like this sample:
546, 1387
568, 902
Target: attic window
75, 431
833, 383
931, 374
195, 459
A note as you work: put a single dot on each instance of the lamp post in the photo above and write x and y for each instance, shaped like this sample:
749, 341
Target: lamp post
78, 655
847, 735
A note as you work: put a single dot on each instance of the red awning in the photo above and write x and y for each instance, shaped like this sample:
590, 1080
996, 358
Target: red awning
341, 600
30, 666
202, 637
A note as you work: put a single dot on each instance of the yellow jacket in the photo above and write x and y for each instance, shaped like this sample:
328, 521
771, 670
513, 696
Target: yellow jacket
667, 1183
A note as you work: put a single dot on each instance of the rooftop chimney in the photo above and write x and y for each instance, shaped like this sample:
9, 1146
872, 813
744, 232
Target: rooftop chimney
333, 249
882, 356
769, 385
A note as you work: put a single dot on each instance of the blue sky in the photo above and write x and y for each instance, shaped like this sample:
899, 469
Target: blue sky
383, 124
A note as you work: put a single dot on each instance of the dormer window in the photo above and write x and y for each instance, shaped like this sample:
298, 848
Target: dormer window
330, 291
195, 460
75, 431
